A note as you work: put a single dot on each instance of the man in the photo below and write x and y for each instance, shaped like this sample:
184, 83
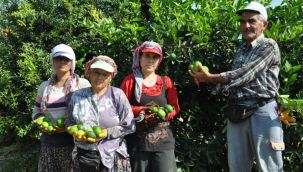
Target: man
253, 81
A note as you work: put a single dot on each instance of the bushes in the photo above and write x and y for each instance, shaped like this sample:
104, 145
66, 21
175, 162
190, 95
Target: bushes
187, 30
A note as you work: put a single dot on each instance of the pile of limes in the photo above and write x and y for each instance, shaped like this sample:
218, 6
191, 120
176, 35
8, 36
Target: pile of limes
195, 66
47, 125
92, 134
161, 112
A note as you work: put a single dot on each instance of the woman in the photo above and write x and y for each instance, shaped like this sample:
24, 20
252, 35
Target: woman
107, 107
51, 101
152, 146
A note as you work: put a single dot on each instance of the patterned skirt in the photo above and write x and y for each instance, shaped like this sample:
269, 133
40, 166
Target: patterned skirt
55, 159
121, 164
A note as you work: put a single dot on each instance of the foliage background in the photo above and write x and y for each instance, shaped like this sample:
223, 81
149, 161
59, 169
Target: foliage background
188, 30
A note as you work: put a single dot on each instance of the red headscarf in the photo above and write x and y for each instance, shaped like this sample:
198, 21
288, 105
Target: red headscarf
146, 47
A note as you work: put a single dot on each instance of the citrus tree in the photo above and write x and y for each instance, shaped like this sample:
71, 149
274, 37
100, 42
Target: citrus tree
188, 30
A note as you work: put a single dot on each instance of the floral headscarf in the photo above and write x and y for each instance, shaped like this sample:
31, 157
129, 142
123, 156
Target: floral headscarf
147, 46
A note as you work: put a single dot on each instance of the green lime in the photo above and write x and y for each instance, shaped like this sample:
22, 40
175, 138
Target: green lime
161, 113
44, 124
97, 130
197, 65
90, 134
72, 129
47, 119
50, 128
168, 108
89, 129
206, 68
81, 127
60, 122
190, 67
39, 121
153, 109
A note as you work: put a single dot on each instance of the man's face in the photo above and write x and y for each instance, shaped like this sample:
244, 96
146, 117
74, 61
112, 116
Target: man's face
251, 26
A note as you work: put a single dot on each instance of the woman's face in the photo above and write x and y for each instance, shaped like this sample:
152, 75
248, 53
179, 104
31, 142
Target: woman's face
149, 62
99, 78
62, 64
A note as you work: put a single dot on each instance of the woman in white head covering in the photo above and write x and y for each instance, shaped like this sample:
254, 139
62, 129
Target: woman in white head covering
51, 104
106, 107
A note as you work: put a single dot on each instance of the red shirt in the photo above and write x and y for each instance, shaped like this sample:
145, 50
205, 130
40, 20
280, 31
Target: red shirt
171, 93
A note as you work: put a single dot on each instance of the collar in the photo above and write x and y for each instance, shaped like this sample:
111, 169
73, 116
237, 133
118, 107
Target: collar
254, 43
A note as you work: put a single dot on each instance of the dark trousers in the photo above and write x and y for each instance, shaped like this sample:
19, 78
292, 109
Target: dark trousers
157, 161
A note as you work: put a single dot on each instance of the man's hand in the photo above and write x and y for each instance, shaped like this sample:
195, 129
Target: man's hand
204, 76
201, 76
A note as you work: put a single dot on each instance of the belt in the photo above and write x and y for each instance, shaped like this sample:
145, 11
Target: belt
264, 102
259, 102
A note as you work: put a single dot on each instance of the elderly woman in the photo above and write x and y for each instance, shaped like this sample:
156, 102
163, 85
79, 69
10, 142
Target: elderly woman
51, 102
152, 146
107, 107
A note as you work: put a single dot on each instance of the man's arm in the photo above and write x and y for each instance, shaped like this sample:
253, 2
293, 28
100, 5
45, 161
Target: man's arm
244, 74
204, 76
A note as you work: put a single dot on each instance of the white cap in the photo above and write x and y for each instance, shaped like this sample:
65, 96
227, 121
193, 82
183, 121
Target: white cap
254, 7
66, 51
63, 50
100, 64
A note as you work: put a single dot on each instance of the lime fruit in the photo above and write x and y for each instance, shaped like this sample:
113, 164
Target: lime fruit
103, 133
39, 120
190, 67
72, 129
206, 68
44, 124
60, 122
161, 113
153, 109
97, 130
47, 119
50, 128
197, 65
90, 134
91, 139
168, 108
80, 134
81, 127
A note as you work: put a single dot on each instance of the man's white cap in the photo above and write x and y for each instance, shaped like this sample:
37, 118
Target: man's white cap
100, 64
254, 7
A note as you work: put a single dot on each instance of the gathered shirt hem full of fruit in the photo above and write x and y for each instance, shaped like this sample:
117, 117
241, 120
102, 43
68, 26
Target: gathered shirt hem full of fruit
56, 108
110, 111
171, 93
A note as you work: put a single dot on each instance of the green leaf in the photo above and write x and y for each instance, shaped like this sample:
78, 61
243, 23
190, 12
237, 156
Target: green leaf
287, 66
295, 69
292, 79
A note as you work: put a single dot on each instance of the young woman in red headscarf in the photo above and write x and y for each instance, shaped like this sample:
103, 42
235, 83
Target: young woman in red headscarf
152, 145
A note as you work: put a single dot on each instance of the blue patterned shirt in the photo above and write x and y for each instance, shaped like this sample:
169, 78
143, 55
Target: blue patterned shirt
254, 72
